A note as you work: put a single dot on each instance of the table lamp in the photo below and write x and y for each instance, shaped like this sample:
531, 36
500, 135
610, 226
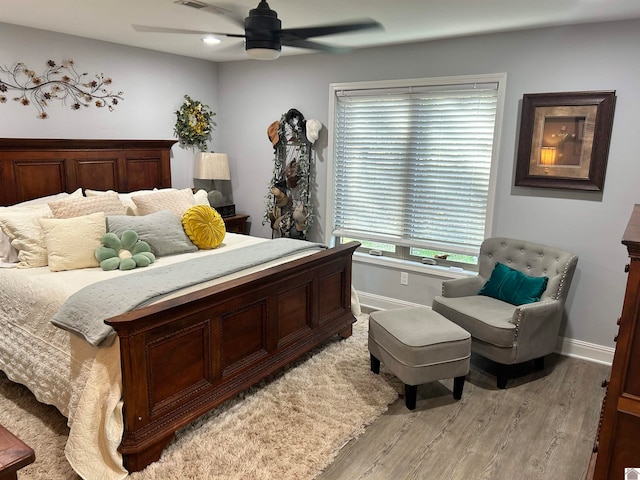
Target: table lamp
215, 166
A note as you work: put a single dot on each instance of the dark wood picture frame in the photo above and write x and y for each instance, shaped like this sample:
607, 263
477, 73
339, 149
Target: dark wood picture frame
564, 140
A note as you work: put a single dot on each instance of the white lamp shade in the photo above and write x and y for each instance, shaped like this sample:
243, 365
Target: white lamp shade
212, 166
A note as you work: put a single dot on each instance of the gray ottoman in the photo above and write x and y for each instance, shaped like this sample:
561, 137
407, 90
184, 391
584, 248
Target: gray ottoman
419, 346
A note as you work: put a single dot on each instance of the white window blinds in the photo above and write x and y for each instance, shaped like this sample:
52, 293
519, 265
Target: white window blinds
412, 164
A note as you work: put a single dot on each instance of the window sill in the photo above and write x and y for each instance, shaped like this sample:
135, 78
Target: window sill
445, 273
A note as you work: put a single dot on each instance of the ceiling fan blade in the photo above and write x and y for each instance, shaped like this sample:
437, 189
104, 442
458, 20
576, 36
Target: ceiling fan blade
228, 10
315, 46
308, 32
148, 28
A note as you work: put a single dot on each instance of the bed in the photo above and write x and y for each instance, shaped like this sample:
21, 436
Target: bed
175, 359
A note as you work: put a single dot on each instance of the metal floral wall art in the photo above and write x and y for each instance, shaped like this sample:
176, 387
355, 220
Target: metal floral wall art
57, 83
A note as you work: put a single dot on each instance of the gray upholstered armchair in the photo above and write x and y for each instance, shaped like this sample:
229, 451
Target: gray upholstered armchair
502, 332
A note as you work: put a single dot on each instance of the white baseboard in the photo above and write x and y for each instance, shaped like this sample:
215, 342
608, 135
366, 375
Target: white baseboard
585, 350
370, 302
566, 346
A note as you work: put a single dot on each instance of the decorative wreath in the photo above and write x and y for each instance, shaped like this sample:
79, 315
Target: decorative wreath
194, 124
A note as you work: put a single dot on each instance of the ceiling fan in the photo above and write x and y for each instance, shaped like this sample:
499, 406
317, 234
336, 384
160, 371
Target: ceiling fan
263, 32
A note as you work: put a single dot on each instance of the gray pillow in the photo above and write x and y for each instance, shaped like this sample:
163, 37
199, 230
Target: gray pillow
162, 230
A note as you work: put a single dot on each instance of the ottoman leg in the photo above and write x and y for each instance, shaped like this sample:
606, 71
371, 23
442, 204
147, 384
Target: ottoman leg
458, 385
375, 364
410, 394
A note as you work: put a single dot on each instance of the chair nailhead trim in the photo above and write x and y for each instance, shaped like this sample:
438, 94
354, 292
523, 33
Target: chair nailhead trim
518, 323
562, 279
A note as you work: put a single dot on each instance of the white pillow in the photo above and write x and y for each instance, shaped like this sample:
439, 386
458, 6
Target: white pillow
176, 201
71, 242
201, 197
125, 198
22, 226
94, 193
48, 198
108, 203
8, 254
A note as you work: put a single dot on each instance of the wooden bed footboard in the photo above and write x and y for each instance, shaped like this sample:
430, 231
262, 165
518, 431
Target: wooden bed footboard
183, 357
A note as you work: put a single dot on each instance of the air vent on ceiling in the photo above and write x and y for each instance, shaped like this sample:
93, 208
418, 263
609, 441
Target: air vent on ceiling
191, 3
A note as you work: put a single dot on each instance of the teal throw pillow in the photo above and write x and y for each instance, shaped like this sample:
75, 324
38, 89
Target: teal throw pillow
512, 286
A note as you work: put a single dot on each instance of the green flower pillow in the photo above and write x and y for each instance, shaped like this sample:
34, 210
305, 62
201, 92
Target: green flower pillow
125, 252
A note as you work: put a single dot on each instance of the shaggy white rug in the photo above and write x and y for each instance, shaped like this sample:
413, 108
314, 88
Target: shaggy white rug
287, 428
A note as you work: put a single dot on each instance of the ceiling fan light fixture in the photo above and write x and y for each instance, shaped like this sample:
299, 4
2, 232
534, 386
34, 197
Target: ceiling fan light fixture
211, 40
262, 27
263, 53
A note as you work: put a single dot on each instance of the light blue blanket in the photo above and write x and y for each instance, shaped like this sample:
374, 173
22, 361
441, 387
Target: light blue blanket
85, 311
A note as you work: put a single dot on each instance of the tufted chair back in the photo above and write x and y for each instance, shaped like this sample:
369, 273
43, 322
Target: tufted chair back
531, 259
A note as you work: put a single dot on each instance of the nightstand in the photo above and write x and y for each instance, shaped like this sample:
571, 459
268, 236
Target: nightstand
237, 224
14, 454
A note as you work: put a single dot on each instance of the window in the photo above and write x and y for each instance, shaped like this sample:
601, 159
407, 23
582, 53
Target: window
413, 164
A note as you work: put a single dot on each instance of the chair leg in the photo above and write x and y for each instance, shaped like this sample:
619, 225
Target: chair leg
503, 376
375, 364
410, 394
458, 385
539, 363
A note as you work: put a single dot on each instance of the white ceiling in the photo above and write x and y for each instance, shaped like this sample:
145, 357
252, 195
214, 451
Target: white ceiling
404, 21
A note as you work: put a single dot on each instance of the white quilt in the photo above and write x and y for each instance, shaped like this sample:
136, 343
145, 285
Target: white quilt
61, 369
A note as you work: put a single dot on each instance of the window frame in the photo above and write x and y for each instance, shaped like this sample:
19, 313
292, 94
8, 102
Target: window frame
402, 252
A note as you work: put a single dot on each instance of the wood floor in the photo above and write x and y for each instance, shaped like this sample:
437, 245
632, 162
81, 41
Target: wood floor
542, 427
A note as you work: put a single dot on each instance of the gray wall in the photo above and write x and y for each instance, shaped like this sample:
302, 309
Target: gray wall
154, 85
587, 57
248, 95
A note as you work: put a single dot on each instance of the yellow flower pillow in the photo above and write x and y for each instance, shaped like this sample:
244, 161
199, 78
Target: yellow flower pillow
204, 226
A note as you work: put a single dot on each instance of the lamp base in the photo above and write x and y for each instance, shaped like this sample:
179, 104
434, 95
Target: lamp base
226, 210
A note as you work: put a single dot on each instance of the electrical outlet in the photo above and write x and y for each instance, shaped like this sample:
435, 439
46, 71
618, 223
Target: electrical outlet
404, 278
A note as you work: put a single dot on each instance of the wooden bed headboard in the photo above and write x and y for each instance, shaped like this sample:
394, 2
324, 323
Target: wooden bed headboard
32, 168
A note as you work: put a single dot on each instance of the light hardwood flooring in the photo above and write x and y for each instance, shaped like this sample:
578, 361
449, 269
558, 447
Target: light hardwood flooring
542, 427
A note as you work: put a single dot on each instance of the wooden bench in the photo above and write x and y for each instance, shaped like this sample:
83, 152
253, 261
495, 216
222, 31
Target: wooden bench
14, 454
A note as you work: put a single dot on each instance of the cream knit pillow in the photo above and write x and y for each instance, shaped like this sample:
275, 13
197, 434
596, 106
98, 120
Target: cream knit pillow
71, 242
176, 201
108, 203
22, 226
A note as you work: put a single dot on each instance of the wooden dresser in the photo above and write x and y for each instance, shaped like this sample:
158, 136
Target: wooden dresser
618, 442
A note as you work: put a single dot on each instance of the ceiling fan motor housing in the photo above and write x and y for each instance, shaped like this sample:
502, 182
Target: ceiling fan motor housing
262, 28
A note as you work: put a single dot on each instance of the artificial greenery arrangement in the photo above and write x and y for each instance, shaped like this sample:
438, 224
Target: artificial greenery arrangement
194, 124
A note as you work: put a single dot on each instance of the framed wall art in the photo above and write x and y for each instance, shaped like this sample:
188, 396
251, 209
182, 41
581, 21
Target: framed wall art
564, 140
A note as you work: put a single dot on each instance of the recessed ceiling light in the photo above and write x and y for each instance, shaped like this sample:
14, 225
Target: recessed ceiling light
210, 40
